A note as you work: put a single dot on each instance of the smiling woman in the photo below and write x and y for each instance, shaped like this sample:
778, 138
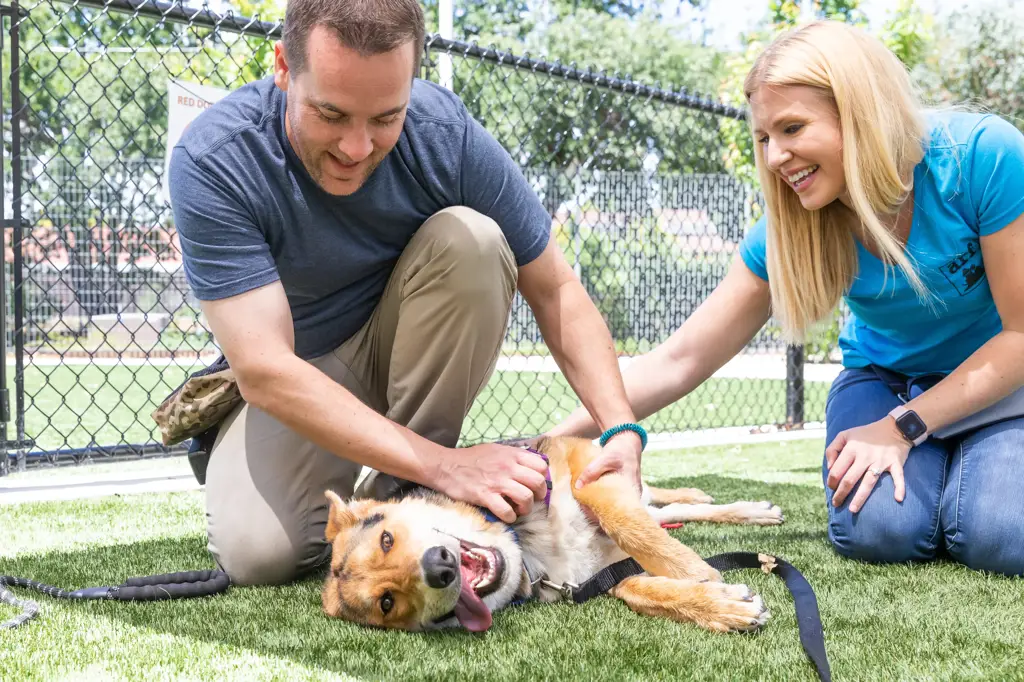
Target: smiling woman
914, 218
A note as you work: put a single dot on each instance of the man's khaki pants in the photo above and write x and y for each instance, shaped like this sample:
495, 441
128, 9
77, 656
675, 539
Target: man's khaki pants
430, 346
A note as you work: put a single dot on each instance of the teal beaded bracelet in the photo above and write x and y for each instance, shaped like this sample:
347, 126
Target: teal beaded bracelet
615, 430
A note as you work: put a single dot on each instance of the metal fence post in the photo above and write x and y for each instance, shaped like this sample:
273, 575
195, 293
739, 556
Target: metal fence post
794, 386
5, 464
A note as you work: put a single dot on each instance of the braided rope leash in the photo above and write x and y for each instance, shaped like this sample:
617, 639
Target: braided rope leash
29, 608
182, 585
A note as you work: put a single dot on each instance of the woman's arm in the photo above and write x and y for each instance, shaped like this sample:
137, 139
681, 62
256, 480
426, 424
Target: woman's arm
997, 368
719, 329
992, 372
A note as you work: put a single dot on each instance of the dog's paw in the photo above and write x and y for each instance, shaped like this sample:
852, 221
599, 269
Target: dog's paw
760, 513
732, 608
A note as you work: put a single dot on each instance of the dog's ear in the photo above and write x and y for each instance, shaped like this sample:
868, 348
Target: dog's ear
339, 516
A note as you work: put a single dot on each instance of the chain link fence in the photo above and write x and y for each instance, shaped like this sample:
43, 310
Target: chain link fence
101, 326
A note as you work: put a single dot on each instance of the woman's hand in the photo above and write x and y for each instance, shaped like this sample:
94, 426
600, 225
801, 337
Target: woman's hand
862, 454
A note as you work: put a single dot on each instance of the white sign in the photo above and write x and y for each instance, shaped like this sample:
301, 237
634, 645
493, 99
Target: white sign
185, 101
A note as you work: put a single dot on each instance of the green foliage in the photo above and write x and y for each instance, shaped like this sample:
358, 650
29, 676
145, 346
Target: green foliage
978, 61
502, 22
94, 83
908, 32
630, 269
786, 13
547, 121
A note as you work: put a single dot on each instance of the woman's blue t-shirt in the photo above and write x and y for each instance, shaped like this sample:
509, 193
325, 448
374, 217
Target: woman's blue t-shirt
969, 184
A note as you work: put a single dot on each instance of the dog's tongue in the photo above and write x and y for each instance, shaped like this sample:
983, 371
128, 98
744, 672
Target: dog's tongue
471, 611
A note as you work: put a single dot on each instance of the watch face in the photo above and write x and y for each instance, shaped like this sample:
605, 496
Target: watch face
911, 425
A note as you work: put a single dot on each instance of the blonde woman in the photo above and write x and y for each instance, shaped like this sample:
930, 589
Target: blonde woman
914, 218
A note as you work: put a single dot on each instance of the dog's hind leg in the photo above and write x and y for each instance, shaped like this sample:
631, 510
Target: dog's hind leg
617, 506
713, 605
746, 513
662, 496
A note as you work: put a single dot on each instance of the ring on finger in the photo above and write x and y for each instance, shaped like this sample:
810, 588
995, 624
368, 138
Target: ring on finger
876, 472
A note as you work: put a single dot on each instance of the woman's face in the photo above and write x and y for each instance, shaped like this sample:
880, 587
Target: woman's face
798, 130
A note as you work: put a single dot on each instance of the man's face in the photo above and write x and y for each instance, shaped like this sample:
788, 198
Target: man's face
345, 112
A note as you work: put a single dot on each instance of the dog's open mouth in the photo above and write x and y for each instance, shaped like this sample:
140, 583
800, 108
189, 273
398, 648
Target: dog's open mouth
482, 570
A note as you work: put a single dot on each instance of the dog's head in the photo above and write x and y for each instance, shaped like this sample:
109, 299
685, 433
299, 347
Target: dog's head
422, 563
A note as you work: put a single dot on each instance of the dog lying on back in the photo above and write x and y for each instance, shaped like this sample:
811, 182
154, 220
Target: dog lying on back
427, 561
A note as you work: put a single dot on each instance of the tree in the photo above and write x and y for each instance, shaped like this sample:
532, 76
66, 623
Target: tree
547, 120
909, 33
978, 61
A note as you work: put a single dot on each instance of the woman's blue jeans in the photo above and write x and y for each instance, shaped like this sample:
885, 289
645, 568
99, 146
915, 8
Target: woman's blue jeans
964, 495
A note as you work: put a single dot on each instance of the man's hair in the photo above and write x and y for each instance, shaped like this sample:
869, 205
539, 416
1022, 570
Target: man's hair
811, 255
370, 27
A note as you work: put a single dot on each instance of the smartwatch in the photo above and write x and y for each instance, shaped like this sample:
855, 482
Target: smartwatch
910, 425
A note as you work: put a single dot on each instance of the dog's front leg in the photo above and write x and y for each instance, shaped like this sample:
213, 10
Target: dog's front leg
626, 520
716, 606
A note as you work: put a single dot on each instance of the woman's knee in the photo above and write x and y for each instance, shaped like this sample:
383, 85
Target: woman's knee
986, 552
884, 530
983, 512
882, 538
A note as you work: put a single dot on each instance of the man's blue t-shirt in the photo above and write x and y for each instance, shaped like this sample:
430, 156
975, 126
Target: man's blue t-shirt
969, 184
248, 213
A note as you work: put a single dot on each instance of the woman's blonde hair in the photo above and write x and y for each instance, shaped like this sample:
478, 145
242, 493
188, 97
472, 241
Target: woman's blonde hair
811, 255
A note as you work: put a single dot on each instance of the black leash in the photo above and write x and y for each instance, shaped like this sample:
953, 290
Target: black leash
191, 584
807, 617
183, 585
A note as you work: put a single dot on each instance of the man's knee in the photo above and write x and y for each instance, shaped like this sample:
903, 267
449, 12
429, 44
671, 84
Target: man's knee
471, 248
250, 561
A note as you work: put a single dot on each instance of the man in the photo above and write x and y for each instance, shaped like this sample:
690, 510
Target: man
355, 239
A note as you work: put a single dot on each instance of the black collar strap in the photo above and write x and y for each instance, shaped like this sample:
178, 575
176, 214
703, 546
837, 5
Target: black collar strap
808, 619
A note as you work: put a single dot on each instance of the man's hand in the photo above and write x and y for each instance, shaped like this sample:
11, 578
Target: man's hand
504, 479
621, 455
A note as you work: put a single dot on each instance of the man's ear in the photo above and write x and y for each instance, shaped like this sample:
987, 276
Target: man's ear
281, 70
339, 516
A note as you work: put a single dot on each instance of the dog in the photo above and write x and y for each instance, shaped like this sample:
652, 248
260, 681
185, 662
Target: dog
426, 561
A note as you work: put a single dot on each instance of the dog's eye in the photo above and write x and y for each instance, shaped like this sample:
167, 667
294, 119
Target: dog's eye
387, 602
386, 541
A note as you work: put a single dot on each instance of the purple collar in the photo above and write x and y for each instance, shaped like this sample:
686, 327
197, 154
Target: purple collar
547, 474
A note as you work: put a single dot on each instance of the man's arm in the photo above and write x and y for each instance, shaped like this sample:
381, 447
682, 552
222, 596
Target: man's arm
255, 332
582, 346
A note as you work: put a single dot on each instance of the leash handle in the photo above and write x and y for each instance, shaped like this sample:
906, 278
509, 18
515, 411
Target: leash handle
808, 620
812, 638
182, 585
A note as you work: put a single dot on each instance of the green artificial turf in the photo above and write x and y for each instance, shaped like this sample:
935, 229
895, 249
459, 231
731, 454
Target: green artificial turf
938, 621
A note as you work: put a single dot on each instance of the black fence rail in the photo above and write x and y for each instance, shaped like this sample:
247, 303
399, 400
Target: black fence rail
99, 324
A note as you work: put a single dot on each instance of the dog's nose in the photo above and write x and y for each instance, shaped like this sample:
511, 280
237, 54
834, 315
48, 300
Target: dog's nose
440, 566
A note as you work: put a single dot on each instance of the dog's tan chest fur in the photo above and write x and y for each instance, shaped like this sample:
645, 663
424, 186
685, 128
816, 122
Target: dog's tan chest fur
561, 544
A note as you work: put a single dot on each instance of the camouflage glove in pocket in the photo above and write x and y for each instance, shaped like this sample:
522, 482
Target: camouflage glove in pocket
199, 404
